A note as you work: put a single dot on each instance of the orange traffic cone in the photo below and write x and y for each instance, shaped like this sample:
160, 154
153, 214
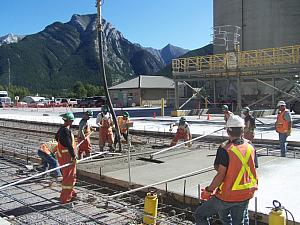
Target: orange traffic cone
208, 116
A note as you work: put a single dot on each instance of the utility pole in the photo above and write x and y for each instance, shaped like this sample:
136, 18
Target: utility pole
102, 71
8, 63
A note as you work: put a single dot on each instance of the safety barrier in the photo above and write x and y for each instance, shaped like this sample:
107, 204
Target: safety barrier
269, 57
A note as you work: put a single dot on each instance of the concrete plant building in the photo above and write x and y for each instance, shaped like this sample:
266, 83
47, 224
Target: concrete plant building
264, 24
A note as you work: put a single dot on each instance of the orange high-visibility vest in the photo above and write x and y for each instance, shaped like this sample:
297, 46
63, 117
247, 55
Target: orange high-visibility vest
62, 149
49, 147
122, 124
282, 125
240, 181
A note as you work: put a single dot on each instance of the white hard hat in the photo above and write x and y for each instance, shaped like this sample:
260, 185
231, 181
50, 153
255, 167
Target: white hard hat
235, 121
280, 103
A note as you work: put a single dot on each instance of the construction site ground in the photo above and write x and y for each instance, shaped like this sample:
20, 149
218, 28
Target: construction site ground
278, 176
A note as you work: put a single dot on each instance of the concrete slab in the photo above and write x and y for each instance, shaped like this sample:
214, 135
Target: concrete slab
278, 178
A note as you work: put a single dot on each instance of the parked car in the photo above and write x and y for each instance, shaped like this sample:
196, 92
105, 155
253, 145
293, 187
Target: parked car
73, 102
99, 101
86, 102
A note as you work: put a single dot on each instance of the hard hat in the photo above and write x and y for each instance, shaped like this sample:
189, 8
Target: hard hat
126, 114
280, 103
235, 121
246, 109
182, 119
224, 107
104, 108
69, 116
89, 113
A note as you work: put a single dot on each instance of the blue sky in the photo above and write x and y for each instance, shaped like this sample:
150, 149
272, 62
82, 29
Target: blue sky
151, 23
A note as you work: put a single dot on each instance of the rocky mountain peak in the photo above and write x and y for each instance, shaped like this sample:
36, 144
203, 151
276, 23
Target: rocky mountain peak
10, 38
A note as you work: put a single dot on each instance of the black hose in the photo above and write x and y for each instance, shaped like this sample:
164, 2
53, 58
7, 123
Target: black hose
102, 71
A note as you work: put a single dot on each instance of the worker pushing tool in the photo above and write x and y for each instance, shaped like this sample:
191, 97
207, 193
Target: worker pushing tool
235, 181
183, 132
66, 154
124, 124
105, 123
47, 153
84, 131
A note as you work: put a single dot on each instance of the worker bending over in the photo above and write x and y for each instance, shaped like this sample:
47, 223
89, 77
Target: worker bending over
105, 123
235, 181
283, 126
85, 128
47, 153
124, 124
183, 132
66, 154
226, 112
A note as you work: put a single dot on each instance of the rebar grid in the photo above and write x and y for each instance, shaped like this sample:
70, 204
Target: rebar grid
100, 211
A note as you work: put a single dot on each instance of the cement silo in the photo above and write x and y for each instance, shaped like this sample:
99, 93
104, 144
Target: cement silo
264, 23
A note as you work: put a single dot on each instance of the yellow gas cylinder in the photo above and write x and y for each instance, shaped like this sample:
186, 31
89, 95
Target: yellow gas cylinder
150, 208
277, 214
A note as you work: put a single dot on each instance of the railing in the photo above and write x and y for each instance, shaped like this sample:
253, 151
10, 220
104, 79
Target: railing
269, 57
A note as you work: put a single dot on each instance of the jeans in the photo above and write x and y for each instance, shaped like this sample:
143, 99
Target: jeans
49, 160
229, 212
226, 218
283, 144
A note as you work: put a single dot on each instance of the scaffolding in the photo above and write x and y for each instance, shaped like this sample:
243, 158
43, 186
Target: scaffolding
271, 64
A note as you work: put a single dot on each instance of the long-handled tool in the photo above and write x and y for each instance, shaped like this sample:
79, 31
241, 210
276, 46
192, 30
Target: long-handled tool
150, 159
51, 170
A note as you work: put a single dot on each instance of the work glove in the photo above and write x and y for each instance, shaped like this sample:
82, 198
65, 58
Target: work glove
205, 194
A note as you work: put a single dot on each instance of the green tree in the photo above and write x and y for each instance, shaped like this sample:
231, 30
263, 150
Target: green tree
79, 90
91, 90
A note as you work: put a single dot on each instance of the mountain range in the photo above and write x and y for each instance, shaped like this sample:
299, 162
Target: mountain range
64, 53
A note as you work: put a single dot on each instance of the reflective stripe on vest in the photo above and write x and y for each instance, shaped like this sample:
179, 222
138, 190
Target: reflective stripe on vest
67, 187
61, 149
282, 125
240, 181
245, 168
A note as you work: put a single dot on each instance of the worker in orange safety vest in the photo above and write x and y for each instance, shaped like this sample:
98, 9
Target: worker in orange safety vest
66, 154
183, 132
85, 128
235, 182
283, 126
124, 124
105, 123
47, 153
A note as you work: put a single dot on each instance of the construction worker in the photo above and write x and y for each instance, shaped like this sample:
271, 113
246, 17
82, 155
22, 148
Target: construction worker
66, 154
124, 124
226, 112
235, 182
183, 132
85, 128
47, 153
249, 124
105, 123
283, 126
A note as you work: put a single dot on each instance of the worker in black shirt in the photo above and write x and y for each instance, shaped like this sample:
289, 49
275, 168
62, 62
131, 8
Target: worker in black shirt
66, 154
235, 182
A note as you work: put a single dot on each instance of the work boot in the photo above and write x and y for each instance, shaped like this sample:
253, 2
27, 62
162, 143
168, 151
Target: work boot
112, 148
101, 148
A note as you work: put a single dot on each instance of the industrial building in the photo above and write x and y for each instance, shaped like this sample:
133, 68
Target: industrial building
256, 59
